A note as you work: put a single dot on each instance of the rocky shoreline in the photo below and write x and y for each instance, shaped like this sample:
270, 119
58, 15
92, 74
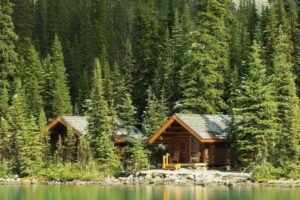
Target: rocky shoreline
182, 177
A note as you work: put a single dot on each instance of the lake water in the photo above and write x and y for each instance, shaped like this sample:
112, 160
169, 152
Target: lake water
93, 192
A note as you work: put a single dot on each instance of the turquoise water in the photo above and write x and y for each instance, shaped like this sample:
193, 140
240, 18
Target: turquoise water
94, 192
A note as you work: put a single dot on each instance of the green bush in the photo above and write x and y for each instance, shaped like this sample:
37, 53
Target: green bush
4, 169
291, 171
70, 172
264, 172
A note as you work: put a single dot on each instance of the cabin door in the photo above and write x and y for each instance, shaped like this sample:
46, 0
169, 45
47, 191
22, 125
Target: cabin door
183, 145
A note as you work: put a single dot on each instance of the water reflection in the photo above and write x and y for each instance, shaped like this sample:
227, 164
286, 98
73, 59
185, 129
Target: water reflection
93, 192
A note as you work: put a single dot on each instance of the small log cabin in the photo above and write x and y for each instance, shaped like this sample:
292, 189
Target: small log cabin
79, 124
195, 138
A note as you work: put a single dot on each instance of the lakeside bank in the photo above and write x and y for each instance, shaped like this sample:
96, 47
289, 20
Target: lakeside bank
184, 177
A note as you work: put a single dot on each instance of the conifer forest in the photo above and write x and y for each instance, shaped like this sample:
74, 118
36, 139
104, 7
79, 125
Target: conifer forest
141, 61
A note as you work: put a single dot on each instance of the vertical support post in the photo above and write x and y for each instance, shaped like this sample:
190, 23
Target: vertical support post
212, 154
190, 148
165, 160
206, 155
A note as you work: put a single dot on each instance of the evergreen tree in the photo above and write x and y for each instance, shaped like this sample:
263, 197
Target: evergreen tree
44, 136
84, 152
127, 112
40, 26
4, 100
118, 85
30, 149
18, 121
60, 101
139, 158
165, 68
32, 76
155, 114
286, 97
186, 19
179, 42
129, 66
204, 76
145, 42
5, 140
100, 125
23, 17
107, 83
8, 39
69, 146
83, 94
254, 109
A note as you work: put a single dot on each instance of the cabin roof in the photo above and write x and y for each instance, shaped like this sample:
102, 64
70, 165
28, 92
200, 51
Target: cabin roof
80, 125
206, 128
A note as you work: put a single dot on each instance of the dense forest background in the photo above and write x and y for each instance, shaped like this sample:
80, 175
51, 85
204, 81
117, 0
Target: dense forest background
141, 61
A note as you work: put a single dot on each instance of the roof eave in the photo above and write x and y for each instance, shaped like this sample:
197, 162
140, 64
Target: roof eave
189, 129
60, 120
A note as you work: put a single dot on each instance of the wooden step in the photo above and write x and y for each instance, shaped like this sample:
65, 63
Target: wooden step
173, 166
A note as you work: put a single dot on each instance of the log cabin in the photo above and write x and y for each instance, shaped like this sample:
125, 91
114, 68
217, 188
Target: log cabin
192, 139
58, 128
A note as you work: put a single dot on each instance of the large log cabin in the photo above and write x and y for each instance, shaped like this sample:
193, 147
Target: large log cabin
193, 138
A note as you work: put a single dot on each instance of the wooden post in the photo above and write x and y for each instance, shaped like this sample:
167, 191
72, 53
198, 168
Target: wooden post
190, 148
205, 155
212, 154
165, 160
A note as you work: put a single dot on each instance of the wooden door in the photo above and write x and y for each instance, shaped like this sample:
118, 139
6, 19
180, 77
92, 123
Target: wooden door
182, 144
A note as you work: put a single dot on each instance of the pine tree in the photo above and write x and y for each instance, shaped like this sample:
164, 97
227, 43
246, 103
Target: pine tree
69, 146
83, 94
127, 112
100, 125
205, 75
145, 43
32, 77
8, 39
44, 136
129, 66
23, 17
165, 68
179, 45
4, 100
254, 109
40, 26
118, 85
155, 114
139, 158
107, 83
60, 101
18, 114
84, 152
30, 149
186, 19
286, 97
5, 140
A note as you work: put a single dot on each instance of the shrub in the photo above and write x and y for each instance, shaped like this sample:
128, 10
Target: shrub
291, 170
264, 172
4, 169
70, 172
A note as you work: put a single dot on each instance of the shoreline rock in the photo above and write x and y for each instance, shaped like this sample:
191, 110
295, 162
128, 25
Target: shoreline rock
183, 177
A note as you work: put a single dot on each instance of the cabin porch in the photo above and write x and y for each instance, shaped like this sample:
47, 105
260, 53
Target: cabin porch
185, 149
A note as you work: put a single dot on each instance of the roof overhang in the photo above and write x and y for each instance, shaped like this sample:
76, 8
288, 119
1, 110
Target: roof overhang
174, 118
59, 120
